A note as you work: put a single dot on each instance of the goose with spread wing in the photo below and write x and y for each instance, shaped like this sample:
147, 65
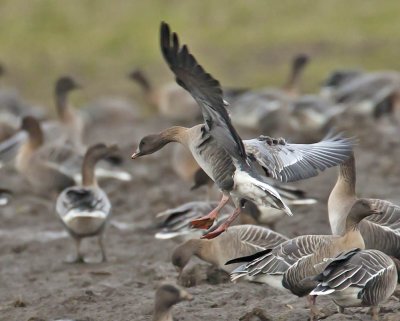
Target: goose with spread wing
222, 154
85, 209
358, 278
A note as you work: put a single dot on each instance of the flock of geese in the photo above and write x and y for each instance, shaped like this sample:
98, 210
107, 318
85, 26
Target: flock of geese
356, 266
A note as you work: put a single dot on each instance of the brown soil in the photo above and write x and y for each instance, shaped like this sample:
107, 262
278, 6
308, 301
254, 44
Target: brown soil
35, 283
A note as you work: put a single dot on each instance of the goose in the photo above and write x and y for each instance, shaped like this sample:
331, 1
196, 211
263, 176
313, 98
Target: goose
268, 108
167, 295
67, 130
358, 278
222, 154
52, 168
379, 232
170, 100
290, 264
263, 215
239, 240
85, 209
175, 222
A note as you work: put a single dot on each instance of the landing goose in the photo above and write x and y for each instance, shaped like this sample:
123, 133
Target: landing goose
167, 295
239, 240
85, 209
289, 265
379, 232
52, 168
358, 278
222, 154
292, 196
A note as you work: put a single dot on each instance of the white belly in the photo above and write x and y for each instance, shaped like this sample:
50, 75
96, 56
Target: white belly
84, 223
347, 297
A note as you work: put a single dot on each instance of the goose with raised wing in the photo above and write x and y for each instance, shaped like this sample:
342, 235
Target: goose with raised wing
291, 264
358, 278
85, 209
222, 154
239, 240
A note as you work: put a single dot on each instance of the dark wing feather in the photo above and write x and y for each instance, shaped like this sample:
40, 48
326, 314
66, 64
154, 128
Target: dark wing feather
205, 90
291, 162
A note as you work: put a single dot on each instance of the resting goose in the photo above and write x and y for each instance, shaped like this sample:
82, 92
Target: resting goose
85, 209
292, 263
379, 232
358, 278
239, 240
268, 108
167, 295
222, 154
52, 168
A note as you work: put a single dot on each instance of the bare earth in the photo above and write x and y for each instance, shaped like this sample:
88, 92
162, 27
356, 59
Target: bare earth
36, 285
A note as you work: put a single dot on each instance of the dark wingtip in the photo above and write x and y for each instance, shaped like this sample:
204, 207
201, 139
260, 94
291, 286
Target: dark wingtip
248, 258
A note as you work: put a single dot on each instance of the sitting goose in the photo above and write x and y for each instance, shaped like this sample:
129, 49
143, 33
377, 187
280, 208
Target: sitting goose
358, 278
84, 210
52, 168
167, 295
239, 240
379, 232
223, 155
290, 264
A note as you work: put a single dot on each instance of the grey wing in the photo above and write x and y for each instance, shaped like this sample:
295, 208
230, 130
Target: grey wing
63, 158
205, 90
390, 217
291, 162
352, 268
258, 235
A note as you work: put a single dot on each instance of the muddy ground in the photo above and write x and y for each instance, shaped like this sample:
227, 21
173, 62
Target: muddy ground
35, 283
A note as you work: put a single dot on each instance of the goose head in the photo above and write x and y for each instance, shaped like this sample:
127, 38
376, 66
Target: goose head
361, 209
32, 126
167, 295
65, 84
184, 252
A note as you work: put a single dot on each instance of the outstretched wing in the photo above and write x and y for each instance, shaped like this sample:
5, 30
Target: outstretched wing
292, 162
205, 90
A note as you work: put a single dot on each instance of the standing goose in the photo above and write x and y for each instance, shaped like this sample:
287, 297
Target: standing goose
292, 263
239, 240
267, 108
170, 100
85, 209
167, 295
222, 154
52, 168
379, 232
358, 278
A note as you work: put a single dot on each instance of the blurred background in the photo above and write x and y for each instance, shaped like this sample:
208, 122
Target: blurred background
243, 43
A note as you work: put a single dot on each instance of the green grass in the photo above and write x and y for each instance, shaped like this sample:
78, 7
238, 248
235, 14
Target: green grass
242, 43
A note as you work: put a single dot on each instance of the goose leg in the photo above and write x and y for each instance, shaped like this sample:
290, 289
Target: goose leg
314, 311
78, 257
103, 252
207, 221
223, 227
374, 310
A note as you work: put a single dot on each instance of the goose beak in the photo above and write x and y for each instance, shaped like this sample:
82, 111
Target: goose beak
136, 155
